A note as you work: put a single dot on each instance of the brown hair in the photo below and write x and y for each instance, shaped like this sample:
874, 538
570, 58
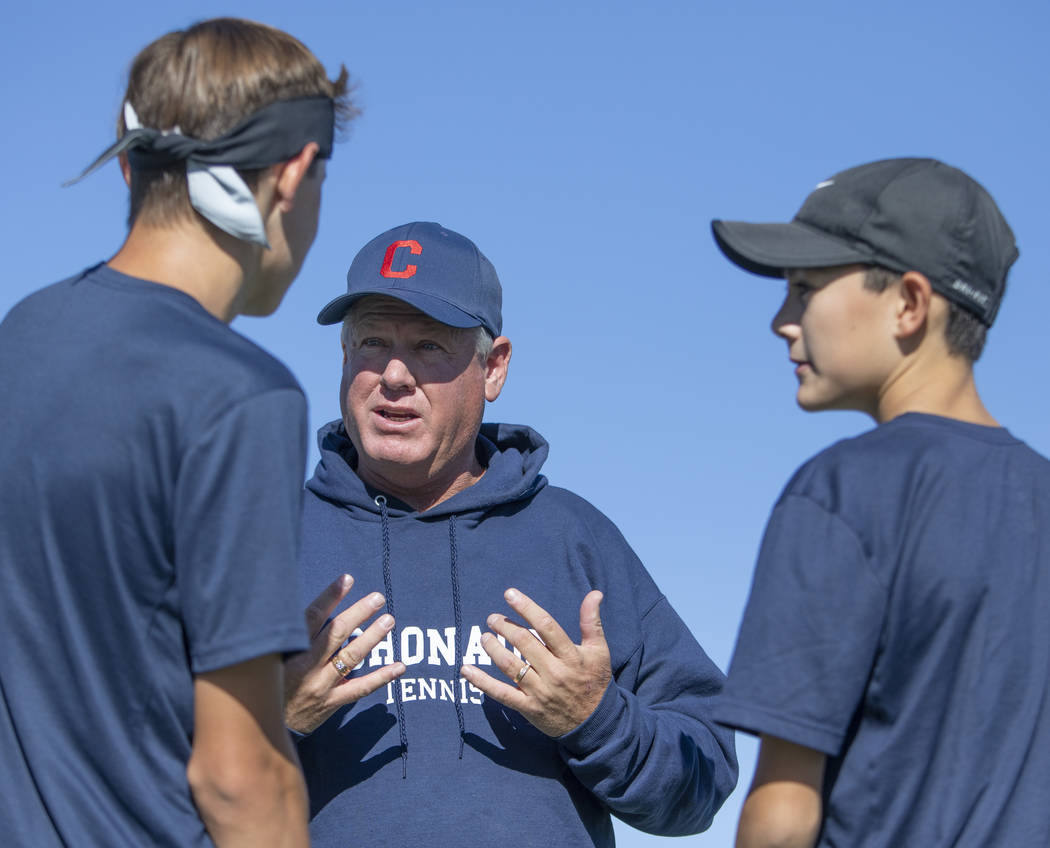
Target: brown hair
964, 332
205, 80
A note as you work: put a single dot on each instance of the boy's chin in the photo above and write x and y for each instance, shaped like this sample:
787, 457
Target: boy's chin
808, 404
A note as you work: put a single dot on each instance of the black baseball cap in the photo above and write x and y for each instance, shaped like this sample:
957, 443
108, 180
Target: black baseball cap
903, 214
430, 267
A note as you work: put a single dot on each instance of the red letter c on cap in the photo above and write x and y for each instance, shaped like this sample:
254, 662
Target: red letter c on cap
413, 247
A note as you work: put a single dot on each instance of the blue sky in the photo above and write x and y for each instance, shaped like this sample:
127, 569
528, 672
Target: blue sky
585, 146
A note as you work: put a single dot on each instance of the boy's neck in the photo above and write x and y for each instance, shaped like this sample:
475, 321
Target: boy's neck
193, 257
942, 386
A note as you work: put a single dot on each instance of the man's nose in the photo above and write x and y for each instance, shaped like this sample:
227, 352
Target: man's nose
397, 376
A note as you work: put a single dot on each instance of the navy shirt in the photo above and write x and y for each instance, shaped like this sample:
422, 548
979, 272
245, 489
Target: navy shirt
150, 473
898, 623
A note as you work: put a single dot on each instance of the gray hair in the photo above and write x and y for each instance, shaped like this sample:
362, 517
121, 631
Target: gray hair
482, 340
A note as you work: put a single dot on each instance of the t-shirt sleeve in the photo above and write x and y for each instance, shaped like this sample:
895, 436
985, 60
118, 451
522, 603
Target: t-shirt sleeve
809, 634
238, 500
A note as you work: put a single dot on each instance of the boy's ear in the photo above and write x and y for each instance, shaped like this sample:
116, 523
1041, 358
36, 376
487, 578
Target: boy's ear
125, 168
913, 303
291, 173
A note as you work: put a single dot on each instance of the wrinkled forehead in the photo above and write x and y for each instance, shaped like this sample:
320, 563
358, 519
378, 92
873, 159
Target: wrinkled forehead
378, 309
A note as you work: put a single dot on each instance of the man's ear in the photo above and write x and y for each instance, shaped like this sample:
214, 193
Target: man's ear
913, 304
290, 175
496, 365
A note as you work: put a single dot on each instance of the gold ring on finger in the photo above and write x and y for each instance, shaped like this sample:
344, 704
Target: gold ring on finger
522, 672
340, 666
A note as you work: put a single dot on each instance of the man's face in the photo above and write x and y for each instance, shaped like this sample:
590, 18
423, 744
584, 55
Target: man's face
414, 396
840, 337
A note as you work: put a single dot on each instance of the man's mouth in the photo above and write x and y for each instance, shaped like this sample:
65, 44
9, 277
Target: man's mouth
391, 415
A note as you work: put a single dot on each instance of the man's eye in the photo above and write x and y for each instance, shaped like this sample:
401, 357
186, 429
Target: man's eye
372, 342
429, 346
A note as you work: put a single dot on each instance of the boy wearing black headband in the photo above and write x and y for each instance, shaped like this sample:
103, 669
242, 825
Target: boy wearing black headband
894, 655
153, 466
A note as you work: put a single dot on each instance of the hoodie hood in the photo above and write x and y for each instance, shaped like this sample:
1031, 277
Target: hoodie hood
511, 453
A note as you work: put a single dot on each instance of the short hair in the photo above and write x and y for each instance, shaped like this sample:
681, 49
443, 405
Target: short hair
965, 333
205, 80
482, 340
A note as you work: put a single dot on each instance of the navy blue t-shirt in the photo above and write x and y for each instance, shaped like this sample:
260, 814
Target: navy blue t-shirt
898, 622
150, 475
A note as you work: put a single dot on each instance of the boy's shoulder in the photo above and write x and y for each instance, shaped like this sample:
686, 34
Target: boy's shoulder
895, 457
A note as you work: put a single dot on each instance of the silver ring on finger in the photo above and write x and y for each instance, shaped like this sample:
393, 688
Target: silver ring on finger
522, 672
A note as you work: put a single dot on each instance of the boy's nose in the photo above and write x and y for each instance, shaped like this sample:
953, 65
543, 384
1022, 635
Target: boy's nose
785, 322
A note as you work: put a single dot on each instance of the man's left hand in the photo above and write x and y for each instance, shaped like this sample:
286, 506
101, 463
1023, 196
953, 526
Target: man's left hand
563, 682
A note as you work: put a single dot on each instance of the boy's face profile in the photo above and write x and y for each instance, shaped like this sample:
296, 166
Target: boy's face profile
291, 235
840, 337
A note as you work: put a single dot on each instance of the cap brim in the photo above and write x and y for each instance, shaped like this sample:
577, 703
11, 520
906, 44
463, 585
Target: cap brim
435, 307
771, 249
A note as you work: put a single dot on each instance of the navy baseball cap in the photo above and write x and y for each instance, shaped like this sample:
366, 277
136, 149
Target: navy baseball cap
434, 269
903, 214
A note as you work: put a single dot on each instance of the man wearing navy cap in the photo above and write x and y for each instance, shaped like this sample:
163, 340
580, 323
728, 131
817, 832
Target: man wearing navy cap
152, 466
530, 728
894, 655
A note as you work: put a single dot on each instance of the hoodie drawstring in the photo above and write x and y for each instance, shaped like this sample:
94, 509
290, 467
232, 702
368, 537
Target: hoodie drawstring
458, 615
380, 502
457, 612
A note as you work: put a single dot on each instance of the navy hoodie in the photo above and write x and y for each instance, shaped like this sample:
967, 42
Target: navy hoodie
430, 760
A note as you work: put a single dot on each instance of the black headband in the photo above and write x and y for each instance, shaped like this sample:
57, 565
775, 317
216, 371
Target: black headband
272, 134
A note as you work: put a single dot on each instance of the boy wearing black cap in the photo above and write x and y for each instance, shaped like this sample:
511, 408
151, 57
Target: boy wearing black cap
894, 655
152, 461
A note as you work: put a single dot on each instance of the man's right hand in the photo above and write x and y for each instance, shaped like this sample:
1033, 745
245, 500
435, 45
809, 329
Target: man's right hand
313, 688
